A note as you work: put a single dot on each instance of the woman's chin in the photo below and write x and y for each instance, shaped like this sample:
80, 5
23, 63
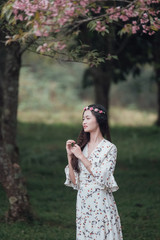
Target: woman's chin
86, 130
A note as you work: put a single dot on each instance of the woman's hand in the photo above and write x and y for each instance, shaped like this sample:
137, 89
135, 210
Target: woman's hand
76, 150
69, 146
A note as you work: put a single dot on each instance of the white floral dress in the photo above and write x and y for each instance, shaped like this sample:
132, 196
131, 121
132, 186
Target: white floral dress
96, 212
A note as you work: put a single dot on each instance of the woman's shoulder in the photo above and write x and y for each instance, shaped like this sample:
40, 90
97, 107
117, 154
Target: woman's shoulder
109, 144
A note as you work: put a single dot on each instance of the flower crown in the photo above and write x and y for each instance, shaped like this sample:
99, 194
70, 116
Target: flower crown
94, 109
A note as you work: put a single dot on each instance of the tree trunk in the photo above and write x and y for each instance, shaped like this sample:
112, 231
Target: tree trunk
10, 95
102, 83
11, 177
158, 96
14, 185
2, 57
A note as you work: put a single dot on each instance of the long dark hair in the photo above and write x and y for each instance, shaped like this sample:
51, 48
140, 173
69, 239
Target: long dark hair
84, 137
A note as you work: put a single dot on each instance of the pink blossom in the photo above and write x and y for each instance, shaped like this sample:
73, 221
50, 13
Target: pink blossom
99, 27
62, 46
96, 10
19, 17
49, 17
62, 21
134, 22
151, 33
145, 15
40, 49
83, 3
38, 33
124, 18
142, 21
134, 29
91, 108
70, 12
59, 46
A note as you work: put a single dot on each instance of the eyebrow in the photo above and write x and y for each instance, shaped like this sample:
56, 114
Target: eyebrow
87, 116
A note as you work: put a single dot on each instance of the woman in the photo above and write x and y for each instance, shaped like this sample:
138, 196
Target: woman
91, 163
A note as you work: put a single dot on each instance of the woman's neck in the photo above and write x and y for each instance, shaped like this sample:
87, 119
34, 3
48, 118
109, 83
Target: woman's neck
95, 137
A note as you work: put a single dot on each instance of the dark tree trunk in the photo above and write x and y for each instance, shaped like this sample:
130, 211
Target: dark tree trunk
158, 96
2, 57
102, 84
14, 185
104, 75
10, 171
10, 95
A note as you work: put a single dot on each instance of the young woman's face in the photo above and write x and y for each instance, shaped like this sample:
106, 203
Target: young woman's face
89, 122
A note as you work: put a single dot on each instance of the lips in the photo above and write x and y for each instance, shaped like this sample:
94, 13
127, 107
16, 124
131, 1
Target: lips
85, 126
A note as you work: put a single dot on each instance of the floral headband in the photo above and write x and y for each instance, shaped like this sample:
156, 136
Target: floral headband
94, 109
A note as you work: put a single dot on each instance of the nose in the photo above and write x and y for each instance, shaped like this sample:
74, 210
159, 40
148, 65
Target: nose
84, 121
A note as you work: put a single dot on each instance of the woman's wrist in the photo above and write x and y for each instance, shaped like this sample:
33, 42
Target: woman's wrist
69, 155
88, 165
81, 156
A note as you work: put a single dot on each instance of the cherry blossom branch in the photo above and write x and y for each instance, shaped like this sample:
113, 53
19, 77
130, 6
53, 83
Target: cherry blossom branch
57, 19
80, 22
58, 59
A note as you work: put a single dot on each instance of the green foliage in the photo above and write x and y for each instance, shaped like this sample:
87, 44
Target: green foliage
7, 11
92, 25
94, 58
22, 31
8, 20
43, 158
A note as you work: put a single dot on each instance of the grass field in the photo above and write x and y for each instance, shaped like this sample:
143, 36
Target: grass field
43, 158
118, 116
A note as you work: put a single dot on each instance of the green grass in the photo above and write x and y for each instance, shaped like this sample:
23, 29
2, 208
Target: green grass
43, 159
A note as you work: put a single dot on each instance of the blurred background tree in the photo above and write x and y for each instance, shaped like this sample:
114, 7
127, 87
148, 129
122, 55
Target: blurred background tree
132, 52
46, 96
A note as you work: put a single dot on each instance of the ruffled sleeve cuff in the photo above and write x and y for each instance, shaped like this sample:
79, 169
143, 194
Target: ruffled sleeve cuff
104, 179
68, 181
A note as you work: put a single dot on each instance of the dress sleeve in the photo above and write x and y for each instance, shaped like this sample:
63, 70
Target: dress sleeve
103, 174
68, 181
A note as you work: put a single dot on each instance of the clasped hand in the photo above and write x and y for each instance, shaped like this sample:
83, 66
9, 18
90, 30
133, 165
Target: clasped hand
75, 149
